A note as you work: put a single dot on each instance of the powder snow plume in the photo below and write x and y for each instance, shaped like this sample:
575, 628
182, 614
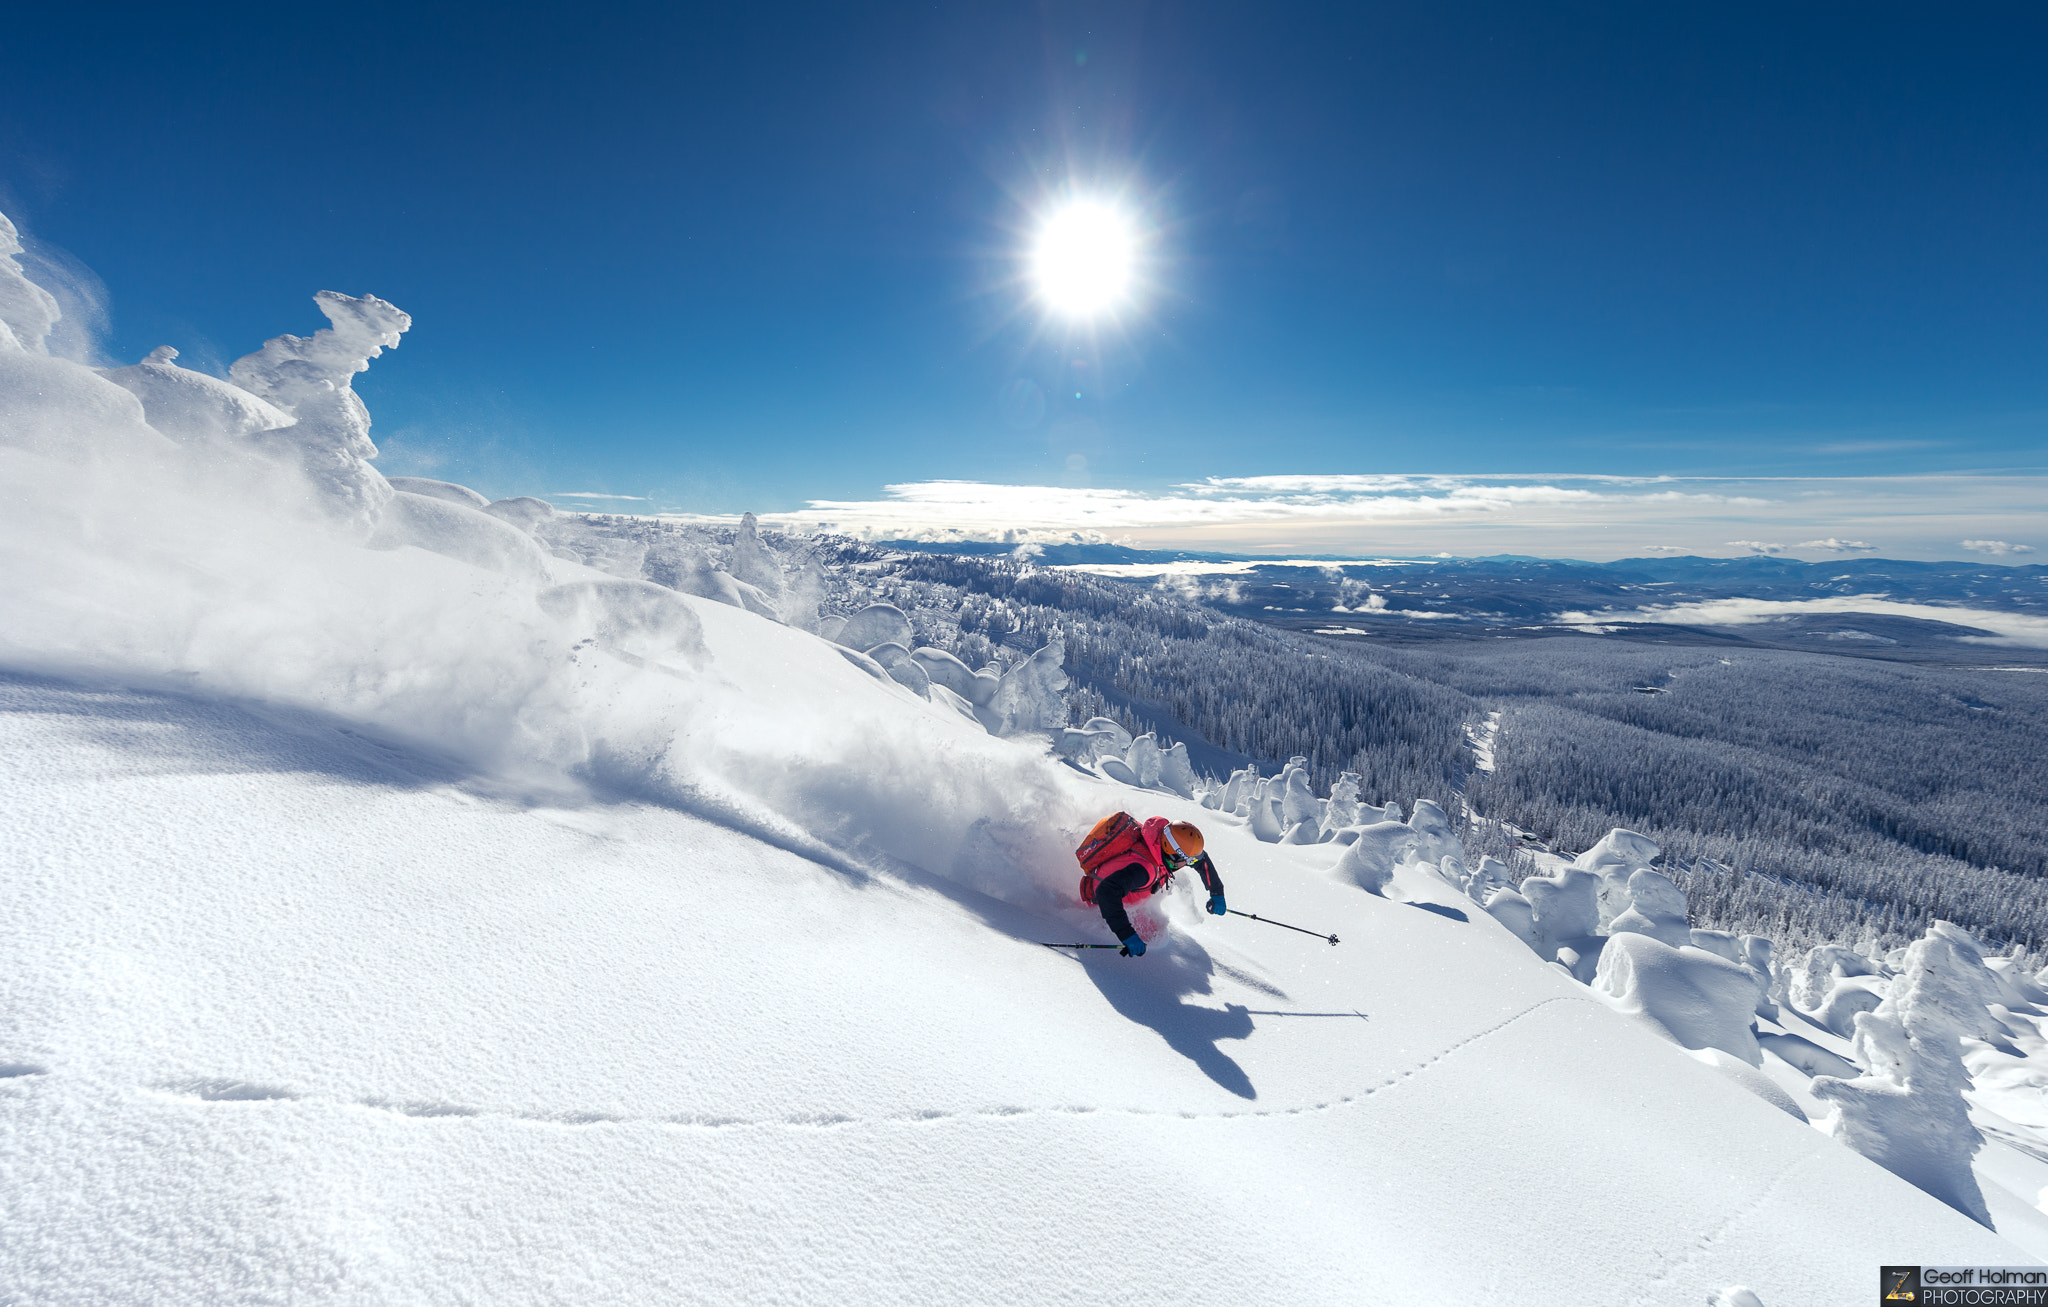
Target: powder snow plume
169, 529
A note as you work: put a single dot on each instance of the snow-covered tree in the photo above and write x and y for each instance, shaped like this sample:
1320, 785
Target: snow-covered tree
1906, 1112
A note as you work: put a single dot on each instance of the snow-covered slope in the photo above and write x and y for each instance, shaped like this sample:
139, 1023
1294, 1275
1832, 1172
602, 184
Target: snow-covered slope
291, 1012
395, 911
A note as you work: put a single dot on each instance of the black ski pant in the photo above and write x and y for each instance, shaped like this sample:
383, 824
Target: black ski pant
1109, 897
1110, 891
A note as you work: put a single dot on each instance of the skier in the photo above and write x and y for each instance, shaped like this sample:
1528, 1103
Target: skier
1123, 861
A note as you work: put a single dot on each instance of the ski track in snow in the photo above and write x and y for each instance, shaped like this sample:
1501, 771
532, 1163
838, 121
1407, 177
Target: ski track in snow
245, 1093
1707, 1242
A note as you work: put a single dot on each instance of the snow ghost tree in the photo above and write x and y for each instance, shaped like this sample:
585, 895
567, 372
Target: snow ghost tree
52, 406
1302, 832
1370, 859
1835, 985
1906, 1112
1112, 736
311, 378
27, 311
1143, 759
1694, 998
1235, 788
1826, 964
1176, 773
1954, 986
1343, 807
1756, 955
1031, 696
1566, 909
1656, 907
1265, 812
1297, 802
946, 670
902, 668
1491, 876
1619, 855
803, 594
876, 624
752, 563
1434, 834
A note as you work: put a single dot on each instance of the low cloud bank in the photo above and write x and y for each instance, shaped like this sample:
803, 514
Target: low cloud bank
2018, 630
1997, 548
1584, 516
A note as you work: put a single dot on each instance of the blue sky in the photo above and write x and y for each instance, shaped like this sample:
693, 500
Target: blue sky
729, 258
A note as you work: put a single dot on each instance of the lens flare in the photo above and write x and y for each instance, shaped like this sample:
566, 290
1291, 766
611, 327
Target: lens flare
1085, 259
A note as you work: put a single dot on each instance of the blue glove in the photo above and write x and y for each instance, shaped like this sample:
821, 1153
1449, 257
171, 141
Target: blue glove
1134, 947
1216, 905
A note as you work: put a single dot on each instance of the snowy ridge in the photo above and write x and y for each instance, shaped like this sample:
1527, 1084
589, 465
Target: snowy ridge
402, 907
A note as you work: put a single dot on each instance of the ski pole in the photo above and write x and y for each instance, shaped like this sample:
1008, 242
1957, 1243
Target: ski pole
1042, 942
1283, 925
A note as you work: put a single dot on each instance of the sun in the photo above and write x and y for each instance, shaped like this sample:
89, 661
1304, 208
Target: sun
1084, 260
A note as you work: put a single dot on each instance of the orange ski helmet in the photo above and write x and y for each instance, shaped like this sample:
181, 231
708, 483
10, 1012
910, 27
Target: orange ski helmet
1186, 837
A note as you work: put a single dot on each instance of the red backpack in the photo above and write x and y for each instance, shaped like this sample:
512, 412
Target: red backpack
1116, 841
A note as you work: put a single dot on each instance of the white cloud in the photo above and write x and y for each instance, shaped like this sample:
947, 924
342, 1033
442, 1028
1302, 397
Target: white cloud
1684, 497
1372, 515
1875, 446
1188, 567
1316, 484
1756, 546
1357, 483
1837, 546
590, 494
1998, 548
1497, 490
2018, 629
1665, 549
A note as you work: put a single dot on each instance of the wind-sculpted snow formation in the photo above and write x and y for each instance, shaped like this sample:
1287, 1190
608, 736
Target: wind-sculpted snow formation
192, 407
27, 311
1619, 926
232, 537
420, 897
1874, 1047
311, 377
50, 406
1907, 1111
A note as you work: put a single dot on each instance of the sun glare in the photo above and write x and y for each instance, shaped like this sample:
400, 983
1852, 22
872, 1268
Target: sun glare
1085, 259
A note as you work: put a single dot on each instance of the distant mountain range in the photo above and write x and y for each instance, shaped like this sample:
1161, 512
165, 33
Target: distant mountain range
1776, 602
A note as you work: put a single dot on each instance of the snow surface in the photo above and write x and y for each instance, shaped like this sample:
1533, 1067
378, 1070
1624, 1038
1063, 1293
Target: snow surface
398, 924
293, 1012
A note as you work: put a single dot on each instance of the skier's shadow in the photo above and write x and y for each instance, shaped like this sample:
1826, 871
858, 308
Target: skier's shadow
1150, 993
1145, 990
